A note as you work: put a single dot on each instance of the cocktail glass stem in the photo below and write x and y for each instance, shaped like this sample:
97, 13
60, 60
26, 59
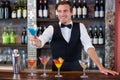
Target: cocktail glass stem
84, 72
32, 71
58, 74
58, 71
44, 70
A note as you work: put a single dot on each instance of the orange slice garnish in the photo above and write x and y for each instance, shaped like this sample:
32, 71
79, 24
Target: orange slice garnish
61, 59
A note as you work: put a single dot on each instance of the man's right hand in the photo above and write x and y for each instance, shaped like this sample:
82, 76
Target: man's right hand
35, 41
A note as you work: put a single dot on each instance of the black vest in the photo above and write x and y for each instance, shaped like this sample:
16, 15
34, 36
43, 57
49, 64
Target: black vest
70, 52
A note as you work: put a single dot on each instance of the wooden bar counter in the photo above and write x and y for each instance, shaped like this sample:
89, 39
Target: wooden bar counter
70, 75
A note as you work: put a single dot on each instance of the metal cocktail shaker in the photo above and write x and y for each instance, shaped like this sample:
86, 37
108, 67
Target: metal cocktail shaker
16, 61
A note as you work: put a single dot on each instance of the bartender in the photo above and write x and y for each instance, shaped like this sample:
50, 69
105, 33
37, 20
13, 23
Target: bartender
67, 38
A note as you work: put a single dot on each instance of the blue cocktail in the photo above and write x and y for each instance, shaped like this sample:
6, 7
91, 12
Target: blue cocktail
33, 30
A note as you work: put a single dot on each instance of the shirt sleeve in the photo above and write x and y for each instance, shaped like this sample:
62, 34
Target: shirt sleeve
46, 36
85, 39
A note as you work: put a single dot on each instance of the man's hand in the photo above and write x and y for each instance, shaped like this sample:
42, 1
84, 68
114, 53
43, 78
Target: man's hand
107, 71
35, 41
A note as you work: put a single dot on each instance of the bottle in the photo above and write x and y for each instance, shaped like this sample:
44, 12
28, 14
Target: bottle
6, 9
100, 39
14, 10
90, 33
94, 66
102, 11
23, 59
12, 36
1, 10
19, 9
95, 36
44, 28
5, 36
96, 9
89, 62
40, 10
74, 9
24, 36
24, 13
45, 9
79, 9
56, 13
101, 60
39, 31
84, 9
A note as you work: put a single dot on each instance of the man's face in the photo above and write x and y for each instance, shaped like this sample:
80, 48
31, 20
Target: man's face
64, 13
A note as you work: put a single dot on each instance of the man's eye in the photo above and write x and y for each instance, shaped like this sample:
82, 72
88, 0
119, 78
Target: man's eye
59, 11
65, 10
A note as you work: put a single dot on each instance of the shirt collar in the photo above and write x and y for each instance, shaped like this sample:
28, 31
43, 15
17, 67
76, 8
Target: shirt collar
71, 22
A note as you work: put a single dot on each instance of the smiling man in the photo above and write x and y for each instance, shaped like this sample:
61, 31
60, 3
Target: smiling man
67, 38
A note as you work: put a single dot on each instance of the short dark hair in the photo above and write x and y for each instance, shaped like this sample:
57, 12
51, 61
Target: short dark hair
63, 3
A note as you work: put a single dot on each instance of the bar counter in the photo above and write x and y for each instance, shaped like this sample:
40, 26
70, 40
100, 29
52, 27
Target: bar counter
70, 75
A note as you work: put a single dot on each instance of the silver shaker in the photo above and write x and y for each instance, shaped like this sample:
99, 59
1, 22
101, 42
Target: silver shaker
16, 61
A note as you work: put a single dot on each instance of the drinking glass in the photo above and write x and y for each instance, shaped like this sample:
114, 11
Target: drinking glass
44, 60
33, 31
83, 64
58, 63
31, 63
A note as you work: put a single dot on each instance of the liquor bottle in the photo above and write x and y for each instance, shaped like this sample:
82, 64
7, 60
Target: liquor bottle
12, 36
39, 31
44, 28
14, 10
24, 14
95, 36
1, 10
56, 13
19, 9
89, 62
74, 9
101, 60
102, 10
40, 10
10, 9
45, 9
100, 39
5, 36
84, 9
24, 36
90, 32
96, 9
79, 9
94, 66
6, 10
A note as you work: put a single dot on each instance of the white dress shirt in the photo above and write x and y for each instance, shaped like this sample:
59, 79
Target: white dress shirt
66, 32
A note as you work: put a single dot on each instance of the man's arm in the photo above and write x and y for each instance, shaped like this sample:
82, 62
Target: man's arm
93, 55
42, 39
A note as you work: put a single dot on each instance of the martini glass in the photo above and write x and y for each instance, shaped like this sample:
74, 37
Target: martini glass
83, 64
58, 63
33, 30
31, 63
44, 60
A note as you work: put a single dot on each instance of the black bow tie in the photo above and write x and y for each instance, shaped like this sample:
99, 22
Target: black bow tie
69, 26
